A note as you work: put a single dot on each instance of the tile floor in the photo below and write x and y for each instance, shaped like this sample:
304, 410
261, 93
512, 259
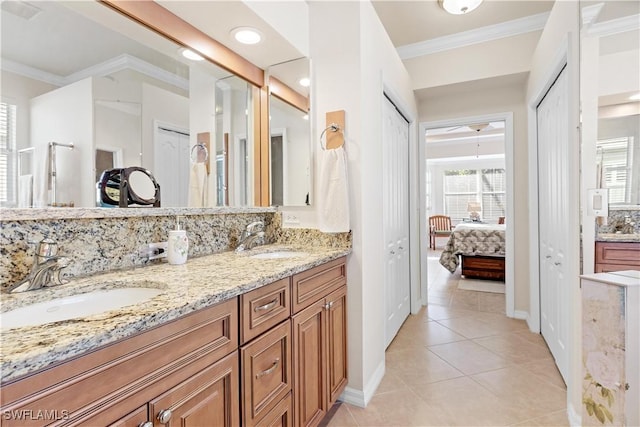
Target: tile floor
461, 362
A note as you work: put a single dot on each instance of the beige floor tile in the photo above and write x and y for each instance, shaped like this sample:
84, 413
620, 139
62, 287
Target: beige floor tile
391, 382
464, 402
554, 419
532, 337
469, 357
513, 348
520, 389
424, 334
418, 366
546, 370
470, 327
467, 300
398, 408
437, 312
339, 416
491, 302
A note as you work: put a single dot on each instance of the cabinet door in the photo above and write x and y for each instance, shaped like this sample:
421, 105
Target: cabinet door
209, 398
337, 343
309, 360
280, 416
266, 372
137, 418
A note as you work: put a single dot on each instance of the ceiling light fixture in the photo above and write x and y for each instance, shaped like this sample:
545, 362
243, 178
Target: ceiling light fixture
459, 7
189, 54
304, 82
635, 97
246, 35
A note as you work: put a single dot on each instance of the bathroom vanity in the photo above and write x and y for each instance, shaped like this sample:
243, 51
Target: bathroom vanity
618, 255
232, 340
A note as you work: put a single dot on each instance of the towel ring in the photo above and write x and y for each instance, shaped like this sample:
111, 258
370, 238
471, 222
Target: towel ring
333, 127
202, 147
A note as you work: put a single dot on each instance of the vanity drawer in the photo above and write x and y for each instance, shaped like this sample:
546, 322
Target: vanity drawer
264, 308
617, 256
280, 416
266, 373
311, 285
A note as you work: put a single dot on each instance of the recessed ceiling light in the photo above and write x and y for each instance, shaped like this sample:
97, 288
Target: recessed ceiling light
635, 97
305, 82
459, 7
189, 54
246, 35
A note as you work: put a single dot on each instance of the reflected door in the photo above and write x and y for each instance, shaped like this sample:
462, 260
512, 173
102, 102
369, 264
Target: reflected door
171, 164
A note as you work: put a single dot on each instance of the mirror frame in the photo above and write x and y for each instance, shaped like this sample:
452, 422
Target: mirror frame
160, 20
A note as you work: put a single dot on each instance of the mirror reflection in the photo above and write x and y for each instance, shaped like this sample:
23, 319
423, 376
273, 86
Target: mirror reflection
610, 95
79, 73
289, 127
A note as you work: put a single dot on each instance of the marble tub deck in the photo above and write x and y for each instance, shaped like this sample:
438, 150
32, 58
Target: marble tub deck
197, 284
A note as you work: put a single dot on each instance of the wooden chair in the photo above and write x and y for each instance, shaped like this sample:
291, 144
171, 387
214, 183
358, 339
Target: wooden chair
439, 225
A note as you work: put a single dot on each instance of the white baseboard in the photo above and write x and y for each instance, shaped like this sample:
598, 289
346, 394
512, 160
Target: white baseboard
522, 315
575, 418
361, 398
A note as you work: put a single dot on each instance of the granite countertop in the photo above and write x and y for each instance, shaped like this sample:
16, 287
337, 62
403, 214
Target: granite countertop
617, 237
199, 283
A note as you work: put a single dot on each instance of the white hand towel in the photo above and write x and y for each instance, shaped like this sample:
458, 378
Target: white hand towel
41, 177
198, 183
333, 200
25, 191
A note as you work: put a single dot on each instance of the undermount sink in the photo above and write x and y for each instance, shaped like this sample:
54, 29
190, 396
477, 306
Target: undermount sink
279, 255
75, 306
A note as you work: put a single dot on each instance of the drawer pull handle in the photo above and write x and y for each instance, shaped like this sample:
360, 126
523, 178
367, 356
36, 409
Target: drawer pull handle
328, 306
164, 416
146, 424
267, 306
269, 370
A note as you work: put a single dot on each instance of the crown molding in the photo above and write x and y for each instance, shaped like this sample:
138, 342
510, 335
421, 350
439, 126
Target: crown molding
590, 13
119, 63
615, 26
476, 36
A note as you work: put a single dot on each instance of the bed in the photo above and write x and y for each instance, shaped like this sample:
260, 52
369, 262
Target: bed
480, 248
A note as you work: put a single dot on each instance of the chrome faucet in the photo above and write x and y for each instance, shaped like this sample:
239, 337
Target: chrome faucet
46, 268
251, 236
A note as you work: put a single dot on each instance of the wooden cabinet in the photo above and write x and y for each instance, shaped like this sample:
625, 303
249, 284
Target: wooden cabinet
263, 308
116, 381
611, 348
319, 350
617, 256
483, 267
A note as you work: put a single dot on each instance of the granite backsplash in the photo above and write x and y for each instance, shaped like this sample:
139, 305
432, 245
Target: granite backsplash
621, 221
100, 244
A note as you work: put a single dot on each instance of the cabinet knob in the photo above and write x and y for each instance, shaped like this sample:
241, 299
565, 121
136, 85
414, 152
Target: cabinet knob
146, 424
164, 416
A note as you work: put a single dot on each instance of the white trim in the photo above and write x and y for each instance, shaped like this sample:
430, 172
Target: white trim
590, 14
507, 117
615, 26
113, 65
575, 417
521, 314
475, 36
361, 398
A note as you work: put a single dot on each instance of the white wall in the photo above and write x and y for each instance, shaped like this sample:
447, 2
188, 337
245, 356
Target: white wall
560, 38
352, 60
65, 115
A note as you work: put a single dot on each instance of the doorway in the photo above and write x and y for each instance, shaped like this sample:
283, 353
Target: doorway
500, 170
171, 162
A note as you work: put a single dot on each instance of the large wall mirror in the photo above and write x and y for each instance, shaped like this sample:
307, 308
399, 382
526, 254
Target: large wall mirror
111, 93
290, 175
610, 96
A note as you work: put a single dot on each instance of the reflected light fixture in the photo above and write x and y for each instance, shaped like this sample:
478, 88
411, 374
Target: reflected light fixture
304, 82
635, 97
189, 54
246, 35
459, 7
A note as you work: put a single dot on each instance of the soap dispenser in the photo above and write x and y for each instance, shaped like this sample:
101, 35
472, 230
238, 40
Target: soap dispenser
178, 245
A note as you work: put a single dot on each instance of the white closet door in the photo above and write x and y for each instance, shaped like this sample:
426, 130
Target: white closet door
171, 166
553, 186
395, 172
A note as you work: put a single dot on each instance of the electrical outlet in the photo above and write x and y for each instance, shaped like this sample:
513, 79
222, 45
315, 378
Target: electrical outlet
290, 219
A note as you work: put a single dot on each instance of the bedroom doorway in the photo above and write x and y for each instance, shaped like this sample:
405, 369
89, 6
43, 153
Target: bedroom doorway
467, 175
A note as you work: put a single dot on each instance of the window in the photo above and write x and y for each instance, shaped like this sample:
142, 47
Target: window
7, 154
487, 186
616, 169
